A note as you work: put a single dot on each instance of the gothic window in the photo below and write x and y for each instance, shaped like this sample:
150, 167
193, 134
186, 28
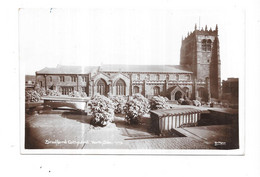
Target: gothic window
62, 79
120, 87
156, 91
208, 45
136, 89
101, 87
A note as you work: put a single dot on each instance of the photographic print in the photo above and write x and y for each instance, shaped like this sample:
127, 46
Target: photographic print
126, 81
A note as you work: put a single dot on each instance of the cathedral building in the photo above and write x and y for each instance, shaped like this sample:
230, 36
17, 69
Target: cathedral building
197, 76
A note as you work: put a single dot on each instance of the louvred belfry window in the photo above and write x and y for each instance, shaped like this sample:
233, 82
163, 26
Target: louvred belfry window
206, 45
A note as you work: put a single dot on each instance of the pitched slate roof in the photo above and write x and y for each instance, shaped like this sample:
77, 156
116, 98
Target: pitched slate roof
145, 68
61, 69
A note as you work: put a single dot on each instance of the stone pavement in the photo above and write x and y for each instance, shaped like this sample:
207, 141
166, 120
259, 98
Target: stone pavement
220, 136
59, 129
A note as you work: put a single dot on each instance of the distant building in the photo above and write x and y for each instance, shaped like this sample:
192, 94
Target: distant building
29, 82
230, 88
197, 76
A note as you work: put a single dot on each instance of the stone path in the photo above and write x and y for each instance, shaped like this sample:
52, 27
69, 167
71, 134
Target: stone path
71, 130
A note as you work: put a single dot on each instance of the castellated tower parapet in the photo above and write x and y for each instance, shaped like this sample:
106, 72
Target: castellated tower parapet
200, 52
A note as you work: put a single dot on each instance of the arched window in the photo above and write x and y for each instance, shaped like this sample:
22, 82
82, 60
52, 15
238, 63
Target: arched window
120, 87
208, 45
203, 44
178, 95
102, 87
136, 89
156, 91
186, 90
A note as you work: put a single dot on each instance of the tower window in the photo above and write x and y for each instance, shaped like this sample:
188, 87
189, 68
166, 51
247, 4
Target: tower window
206, 45
203, 44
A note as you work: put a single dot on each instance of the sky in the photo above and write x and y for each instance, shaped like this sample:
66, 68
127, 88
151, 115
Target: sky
48, 37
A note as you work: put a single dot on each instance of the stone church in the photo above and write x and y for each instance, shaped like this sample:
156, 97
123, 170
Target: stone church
197, 76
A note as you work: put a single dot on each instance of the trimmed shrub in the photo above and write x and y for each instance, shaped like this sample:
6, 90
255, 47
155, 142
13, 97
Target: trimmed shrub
77, 94
40, 90
187, 102
102, 109
135, 107
159, 102
32, 96
180, 100
119, 103
196, 103
74, 94
53, 93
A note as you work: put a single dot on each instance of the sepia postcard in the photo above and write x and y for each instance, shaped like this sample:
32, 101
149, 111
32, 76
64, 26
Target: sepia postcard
131, 81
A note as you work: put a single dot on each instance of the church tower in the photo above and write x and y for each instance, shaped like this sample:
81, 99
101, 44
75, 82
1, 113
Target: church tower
200, 52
